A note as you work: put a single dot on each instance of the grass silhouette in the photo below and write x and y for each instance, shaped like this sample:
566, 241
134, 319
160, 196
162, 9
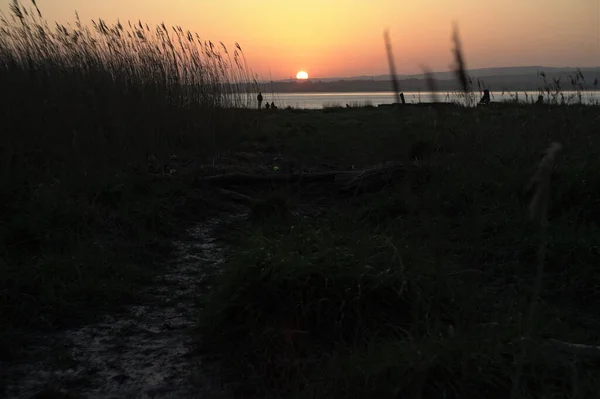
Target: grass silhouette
102, 128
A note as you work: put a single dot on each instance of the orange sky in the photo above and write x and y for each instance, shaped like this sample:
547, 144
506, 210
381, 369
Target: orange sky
330, 38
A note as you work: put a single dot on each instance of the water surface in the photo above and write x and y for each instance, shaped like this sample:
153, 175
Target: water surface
320, 100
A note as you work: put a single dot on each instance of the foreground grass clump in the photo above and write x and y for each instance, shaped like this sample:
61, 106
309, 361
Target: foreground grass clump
313, 288
421, 289
102, 127
316, 289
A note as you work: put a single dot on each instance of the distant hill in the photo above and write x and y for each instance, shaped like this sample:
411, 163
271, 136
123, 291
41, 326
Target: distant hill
495, 79
474, 73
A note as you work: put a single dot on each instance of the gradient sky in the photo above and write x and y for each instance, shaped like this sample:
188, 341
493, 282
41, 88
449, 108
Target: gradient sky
332, 38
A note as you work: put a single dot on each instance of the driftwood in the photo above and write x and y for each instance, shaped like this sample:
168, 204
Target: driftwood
239, 197
582, 352
347, 180
241, 179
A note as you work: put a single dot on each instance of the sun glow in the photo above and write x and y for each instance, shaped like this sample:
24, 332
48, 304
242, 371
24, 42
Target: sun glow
302, 75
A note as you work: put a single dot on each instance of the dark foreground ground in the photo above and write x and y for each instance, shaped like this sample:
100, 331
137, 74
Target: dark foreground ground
420, 287
417, 287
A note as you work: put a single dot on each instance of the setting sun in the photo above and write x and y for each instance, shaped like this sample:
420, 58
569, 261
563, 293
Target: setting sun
302, 75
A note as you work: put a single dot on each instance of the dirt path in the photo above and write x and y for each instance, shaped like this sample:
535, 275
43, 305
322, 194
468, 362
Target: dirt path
145, 352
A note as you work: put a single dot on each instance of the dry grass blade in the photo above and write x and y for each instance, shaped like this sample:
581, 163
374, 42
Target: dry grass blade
36, 8
460, 67
538, 209
394, 77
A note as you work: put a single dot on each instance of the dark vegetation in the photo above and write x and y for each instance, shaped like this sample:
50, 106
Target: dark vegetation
103, 130
419, 287
423, 286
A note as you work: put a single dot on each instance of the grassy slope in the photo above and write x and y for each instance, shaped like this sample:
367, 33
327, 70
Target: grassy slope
355, 302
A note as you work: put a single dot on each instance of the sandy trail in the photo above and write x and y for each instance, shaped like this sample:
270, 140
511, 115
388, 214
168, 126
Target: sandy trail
144, 352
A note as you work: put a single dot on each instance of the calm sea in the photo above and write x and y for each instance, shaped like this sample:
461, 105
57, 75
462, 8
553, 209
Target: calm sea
320, 100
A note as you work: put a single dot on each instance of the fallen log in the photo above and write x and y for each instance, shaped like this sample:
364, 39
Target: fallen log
376, 177
243, 179
239, 197
348, 180
581, 351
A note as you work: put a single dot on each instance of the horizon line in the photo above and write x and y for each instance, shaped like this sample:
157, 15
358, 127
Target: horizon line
437, 72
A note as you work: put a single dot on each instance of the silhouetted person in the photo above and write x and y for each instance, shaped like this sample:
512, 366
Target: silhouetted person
486, 99
260, 99
273, 106
540, 99
267, 106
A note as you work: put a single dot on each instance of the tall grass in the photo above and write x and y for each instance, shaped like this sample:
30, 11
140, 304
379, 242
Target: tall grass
392, 66
93, 115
